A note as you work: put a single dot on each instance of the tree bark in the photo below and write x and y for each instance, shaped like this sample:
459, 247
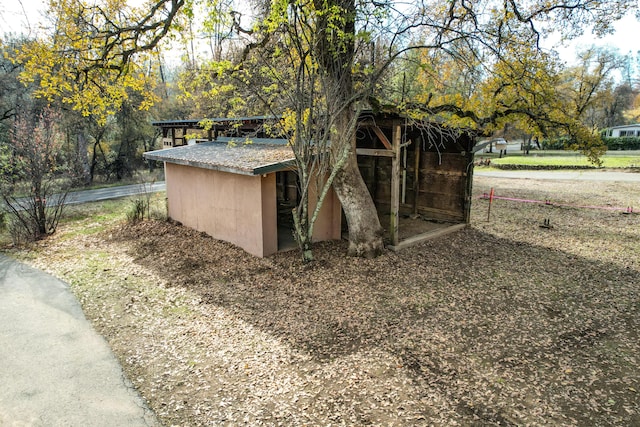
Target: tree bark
83, 157
336, 55
365, 232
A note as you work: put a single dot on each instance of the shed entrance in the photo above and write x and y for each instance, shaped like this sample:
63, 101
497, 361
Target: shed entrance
288, 197
419, 177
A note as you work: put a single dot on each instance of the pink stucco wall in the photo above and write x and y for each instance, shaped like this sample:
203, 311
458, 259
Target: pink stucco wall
328, 224
238, 209
235, 208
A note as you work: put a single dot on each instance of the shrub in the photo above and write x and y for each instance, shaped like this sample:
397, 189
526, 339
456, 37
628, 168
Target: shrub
138, 210
623, 143
556, 143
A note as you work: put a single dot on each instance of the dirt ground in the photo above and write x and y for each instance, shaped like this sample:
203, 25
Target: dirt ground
504, 323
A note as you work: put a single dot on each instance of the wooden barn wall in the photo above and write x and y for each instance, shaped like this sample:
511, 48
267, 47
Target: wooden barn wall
442, 183
442, 186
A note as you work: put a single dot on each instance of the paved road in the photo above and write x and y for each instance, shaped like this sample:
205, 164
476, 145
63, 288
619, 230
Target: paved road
573, 175
55, 370
85, 196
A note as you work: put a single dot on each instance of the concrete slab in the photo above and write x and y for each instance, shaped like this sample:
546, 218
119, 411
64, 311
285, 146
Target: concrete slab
55, 370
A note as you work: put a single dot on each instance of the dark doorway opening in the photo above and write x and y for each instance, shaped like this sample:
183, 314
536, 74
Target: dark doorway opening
288, 197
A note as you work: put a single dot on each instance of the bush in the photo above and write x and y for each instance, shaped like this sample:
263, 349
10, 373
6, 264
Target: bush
138, 210
556, 143
20, 235
623, 143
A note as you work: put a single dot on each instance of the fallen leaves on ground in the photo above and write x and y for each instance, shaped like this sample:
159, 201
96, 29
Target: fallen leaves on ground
504, 323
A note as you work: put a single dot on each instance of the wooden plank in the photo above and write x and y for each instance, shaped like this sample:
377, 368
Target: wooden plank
443, 172
469, 190
442, 183
383, 137
441, 213
395, 186
446, 161
374, 152
416, 177
447, 202
412, 241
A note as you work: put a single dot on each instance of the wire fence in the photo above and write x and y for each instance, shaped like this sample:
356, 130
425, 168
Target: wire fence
491, 196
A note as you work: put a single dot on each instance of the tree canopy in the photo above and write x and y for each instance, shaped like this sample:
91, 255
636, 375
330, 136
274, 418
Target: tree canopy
477, 65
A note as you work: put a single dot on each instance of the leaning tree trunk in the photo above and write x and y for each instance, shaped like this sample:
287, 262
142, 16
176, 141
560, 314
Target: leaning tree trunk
335, 51
365, 232
82, 158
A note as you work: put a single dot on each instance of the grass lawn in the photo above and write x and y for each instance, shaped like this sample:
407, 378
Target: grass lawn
564, 159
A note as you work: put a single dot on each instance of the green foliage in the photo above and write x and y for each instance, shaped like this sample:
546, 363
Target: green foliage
555, 143
589, 144
624, 143
96, 55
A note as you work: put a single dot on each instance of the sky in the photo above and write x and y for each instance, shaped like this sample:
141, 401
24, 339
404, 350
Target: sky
625, 39
21, 16
17, 16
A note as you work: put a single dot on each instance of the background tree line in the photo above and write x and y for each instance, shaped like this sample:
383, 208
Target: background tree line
476, 65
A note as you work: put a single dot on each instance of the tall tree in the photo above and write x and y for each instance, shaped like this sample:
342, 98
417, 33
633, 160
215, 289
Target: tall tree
12, 92
352, 47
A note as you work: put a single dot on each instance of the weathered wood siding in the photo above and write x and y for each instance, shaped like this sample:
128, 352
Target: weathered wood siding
444, 176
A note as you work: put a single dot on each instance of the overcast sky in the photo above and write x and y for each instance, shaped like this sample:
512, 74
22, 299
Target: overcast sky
23, 17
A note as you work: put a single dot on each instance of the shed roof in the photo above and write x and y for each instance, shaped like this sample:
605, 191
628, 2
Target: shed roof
242, 156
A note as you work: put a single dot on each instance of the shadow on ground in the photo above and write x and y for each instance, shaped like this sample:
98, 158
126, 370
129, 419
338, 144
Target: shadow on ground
510, 333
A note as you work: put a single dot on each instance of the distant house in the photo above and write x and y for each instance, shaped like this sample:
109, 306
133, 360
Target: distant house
622, 131
239, 186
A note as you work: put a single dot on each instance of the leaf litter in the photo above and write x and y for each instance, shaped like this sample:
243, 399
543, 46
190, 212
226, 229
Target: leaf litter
504, 323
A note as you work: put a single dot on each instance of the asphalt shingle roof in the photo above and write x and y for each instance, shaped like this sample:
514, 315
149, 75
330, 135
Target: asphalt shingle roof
240, 155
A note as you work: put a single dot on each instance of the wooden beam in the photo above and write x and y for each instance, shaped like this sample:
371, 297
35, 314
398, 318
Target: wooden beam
416, 172
374, 152
395, 186
383, 137
443, 172
469, 190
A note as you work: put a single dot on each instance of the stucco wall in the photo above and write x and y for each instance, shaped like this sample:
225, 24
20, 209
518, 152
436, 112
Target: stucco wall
235, 208
328, 223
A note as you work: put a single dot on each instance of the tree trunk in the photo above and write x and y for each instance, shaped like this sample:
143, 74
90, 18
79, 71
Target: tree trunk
83, 157
336, 56
365, 232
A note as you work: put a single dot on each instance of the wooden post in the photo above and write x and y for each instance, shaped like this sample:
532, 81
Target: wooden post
468, 189
395, 185
490, 202
416, 175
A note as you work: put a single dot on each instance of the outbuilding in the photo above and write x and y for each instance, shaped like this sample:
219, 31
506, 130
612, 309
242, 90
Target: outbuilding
237, 185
